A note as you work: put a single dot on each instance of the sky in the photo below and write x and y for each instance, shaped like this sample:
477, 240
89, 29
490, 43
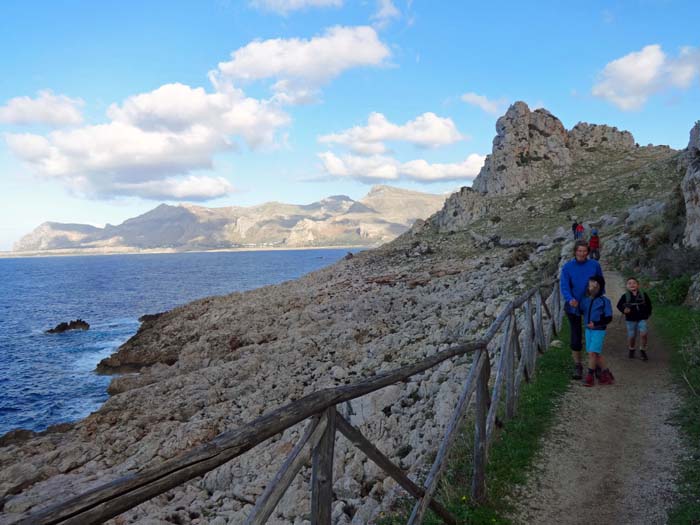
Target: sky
110, 108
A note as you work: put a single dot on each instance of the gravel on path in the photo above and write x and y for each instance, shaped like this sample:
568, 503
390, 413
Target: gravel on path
612, 453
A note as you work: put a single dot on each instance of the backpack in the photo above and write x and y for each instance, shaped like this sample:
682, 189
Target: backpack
640, 293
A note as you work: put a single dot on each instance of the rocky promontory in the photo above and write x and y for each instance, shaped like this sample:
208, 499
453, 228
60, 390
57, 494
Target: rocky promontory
218, 362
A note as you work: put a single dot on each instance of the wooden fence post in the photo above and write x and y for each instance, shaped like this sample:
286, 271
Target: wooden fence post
510, 370
322, 476
268, 500
482, 400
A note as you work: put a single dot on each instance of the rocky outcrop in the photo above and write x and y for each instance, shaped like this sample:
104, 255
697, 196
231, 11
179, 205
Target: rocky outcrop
461, 209
533, 146
691, 190
585, 139
529, 147
78, 324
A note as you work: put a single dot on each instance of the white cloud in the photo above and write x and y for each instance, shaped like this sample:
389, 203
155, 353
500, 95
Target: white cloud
303, 65
629, 81
427, 130
152, 143
495, 107
190, 188
46, 108
283, 7
378, 167
386, 11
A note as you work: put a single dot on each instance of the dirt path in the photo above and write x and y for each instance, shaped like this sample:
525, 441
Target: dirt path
611, 455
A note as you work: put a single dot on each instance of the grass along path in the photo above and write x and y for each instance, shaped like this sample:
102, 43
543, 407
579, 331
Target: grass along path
612, 455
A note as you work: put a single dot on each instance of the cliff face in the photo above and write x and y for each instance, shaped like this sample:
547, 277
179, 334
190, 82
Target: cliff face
691, 189
540, 173
532, 147
213, 364
379, 217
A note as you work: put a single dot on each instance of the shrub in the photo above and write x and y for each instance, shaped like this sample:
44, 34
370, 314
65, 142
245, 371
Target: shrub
671, 291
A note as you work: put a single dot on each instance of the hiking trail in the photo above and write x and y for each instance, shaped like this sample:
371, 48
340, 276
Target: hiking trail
611, 455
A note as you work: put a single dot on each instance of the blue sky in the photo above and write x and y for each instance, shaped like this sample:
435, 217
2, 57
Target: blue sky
109, 108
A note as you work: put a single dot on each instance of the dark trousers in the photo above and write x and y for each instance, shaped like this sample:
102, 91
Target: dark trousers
576, 325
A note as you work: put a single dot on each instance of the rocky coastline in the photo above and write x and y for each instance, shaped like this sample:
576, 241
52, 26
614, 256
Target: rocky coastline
213, 364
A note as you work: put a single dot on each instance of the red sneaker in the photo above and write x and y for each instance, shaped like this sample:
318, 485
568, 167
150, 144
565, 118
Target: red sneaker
588, 380
606, 378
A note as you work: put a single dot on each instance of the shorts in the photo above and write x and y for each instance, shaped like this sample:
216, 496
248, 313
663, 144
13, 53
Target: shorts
633, 326
594, 340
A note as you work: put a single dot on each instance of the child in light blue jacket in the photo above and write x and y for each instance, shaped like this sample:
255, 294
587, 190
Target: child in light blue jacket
596, 310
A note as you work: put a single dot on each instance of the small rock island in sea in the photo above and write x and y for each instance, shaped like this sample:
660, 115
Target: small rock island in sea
78, 324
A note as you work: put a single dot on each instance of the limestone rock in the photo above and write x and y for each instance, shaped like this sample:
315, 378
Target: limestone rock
587, 138
529, 147
691, 190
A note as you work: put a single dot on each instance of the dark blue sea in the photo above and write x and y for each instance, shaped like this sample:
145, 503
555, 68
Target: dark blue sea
49, 378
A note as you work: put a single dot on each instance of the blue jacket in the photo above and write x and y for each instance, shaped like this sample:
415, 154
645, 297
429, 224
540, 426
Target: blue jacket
597, 309
574, 280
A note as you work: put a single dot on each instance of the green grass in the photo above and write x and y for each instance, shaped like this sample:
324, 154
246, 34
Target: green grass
679, 327
512, 450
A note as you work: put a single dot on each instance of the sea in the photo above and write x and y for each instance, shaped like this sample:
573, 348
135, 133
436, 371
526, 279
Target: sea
46, 379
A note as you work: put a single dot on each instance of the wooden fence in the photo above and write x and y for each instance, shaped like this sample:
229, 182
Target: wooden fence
525, 329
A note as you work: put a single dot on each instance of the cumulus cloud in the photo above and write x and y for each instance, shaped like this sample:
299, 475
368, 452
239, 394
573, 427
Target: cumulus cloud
495, 107
379, 167
284, 7
152, 143
629, 81
47, 109
386, 12
427, 130
303, 65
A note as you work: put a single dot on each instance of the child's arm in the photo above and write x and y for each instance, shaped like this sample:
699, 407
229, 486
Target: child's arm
621, 304
606, 319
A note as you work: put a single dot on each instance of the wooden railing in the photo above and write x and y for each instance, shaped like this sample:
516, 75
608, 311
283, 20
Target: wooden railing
525, 329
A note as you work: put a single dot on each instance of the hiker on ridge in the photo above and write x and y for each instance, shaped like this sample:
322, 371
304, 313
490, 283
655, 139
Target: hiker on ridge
573, 283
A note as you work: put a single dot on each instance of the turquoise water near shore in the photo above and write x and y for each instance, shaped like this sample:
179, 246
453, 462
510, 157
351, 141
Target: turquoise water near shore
47, 379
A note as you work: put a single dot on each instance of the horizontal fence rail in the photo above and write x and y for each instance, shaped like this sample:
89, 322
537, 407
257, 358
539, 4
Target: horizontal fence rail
525, 331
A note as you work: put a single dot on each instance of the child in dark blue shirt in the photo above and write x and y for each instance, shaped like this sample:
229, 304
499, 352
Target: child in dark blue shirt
596, 310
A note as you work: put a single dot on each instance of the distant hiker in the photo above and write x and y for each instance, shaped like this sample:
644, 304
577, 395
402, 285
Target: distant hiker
594, 245
636, 306
597, 314
579, 231
573, 284
573, 229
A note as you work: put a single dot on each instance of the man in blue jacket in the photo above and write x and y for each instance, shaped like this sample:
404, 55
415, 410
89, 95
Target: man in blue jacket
574, 282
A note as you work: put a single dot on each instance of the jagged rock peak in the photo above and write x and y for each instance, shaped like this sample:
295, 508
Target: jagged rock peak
526, 142
533, 146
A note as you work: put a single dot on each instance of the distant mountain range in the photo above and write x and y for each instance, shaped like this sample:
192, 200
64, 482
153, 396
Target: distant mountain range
383, 214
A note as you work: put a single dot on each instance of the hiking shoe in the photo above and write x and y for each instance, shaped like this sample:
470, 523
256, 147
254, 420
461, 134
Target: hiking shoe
606, 378
631, 353
578, 371
588, 380
644, 355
